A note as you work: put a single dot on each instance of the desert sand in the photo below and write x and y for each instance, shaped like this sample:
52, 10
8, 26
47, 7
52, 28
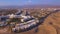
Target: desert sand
51, 25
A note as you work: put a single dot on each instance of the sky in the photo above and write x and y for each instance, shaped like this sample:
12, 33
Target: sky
28, 2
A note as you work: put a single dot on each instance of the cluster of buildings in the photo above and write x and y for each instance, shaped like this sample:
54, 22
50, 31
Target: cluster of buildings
23, 21
26, 21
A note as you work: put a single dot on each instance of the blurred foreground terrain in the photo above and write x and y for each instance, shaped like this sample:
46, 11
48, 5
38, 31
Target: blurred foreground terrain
51, 24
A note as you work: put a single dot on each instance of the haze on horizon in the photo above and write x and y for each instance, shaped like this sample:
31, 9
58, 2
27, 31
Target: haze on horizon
28, 2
